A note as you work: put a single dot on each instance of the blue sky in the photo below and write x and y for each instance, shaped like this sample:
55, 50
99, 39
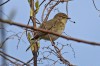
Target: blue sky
86, 27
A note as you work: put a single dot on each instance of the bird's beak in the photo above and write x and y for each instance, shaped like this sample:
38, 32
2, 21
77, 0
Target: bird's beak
68, 18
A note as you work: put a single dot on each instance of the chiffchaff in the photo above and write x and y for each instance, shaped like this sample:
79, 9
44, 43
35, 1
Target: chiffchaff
57, 25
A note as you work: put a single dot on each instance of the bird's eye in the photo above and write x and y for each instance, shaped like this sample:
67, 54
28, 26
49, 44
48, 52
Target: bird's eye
64, 16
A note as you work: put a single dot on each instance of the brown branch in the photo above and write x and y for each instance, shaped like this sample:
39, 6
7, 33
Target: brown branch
9, 37
45, 9
32, 17
51, 10
8, 59
46, 18
11, 57
47, 31
59, 55
34, 26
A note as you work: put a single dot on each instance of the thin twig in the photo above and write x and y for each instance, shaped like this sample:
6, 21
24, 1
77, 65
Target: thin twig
46, 18
20, 39
29, 61
95, 5
4, 2
42, 2
45, 9
12, 57
9, 37
8, 59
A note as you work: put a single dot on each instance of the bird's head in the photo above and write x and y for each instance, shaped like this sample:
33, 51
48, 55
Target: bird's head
62, 15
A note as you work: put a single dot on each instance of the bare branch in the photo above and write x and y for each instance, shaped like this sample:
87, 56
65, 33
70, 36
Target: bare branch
4, 2
95, 5
8, 59
11, 57
50, 11
45, 9
47, 31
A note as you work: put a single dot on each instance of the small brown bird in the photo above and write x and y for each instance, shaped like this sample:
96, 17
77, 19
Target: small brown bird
57, 25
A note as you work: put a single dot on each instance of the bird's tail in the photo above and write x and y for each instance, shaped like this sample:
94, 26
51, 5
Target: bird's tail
34, 44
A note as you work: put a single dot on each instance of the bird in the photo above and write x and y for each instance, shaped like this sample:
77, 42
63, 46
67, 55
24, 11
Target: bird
56, 24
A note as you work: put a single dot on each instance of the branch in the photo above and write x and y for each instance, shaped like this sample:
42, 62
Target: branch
8, 59
51, 8
47, 31
11, 57
4, 2
34, 25
95, 5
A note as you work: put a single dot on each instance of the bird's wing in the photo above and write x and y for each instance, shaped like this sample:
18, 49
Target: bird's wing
49, 24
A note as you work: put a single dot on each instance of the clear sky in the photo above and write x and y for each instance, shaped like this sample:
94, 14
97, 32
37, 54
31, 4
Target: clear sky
87, 27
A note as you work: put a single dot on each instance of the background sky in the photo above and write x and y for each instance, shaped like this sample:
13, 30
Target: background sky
87, 27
